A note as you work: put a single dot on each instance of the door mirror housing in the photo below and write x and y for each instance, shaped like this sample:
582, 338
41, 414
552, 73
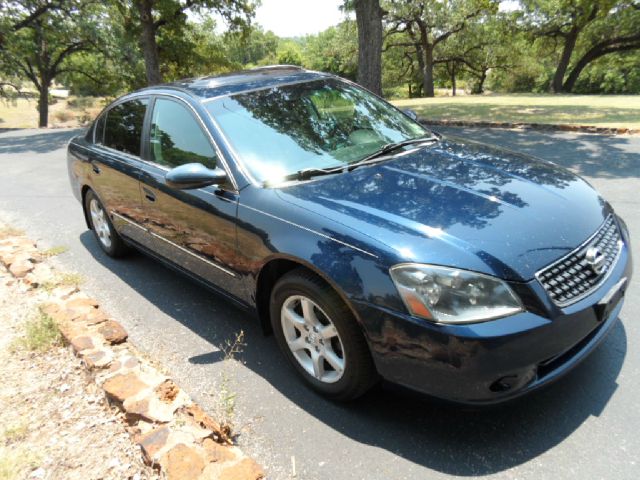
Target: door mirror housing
194, 175
411, 114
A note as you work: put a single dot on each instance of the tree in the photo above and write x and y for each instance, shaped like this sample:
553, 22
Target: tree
335, 50
41, 48
369, 20
429, 24
587, 29
487, 44
13, 19
148, 18
250, 46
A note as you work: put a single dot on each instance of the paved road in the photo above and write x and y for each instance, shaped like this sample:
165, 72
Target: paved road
584, 427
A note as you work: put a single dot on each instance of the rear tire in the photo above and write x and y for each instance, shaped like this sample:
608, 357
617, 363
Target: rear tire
100, 223
320, 337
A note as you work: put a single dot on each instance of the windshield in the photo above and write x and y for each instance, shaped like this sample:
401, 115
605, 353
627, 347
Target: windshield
314, 125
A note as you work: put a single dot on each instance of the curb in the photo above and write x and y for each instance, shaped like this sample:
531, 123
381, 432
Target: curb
174, 434
533, 126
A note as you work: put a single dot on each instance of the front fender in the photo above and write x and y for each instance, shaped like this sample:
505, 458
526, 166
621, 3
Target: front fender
269, 229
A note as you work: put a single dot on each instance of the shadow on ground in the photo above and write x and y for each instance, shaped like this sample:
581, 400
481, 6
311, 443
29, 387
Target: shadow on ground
605, 156
25, 141
441, 437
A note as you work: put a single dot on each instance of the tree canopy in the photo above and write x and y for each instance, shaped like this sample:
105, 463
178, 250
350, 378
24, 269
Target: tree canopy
395, 47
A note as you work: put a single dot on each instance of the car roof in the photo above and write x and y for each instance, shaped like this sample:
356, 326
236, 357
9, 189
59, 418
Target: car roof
246, 80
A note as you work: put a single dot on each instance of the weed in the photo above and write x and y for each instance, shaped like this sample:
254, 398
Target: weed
57, 250
41, 333
225, 393
62, 280
16, 462
7, 232
14, 433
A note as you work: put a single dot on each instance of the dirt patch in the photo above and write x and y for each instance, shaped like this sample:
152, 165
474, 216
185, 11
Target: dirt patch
55, 422
154, 416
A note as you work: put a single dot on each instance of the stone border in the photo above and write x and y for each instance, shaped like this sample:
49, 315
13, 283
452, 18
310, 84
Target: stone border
532, 126
174, 434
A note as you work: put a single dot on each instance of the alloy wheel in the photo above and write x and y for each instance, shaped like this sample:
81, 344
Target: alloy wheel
100, 223
313, 339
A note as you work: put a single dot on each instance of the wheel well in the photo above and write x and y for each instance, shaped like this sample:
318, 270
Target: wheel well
267, 278
83, 194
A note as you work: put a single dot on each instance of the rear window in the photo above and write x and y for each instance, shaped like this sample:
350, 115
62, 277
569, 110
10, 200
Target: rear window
123, 128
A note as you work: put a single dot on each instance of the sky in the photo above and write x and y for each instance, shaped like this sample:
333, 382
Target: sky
293, 18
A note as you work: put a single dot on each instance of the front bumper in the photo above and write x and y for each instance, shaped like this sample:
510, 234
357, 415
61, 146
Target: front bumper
494, 361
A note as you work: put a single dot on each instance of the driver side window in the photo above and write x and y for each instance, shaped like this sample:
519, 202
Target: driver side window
176, 138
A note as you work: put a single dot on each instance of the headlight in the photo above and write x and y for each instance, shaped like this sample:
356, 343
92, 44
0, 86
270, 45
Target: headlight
450, 295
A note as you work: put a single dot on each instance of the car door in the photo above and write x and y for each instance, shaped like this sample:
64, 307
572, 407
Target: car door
115, 165
196, 228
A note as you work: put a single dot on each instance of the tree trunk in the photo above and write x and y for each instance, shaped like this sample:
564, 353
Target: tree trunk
43, 105
565, 58
427, 72
479, 88
593, 54
148, 42
452, 73
369, 21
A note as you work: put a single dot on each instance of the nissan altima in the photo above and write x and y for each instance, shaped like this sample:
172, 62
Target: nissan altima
370, 246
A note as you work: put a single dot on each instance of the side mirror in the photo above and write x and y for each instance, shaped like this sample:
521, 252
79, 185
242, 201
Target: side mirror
411, 114
194, 175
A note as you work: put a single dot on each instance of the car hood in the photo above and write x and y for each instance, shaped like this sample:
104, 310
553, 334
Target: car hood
461, 204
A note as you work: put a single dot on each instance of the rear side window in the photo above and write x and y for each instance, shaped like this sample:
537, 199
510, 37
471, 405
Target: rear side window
123, 128
176, 137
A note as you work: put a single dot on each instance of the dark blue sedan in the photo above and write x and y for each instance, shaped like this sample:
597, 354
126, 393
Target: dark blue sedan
371, 247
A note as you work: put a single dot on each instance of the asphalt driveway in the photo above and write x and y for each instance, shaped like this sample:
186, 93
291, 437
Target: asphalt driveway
583, 427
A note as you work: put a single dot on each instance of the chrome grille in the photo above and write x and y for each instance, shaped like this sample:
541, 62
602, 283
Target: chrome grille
574, 276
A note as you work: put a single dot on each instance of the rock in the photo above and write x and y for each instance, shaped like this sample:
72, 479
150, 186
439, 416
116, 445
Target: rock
124, 363
113, 332
20, 268
41, 273
167, 391
63, 292
94, 317
81, 305
97, 358
152, 442
182, 463
214, 452
38, 473
70, 330
120, 387
205, 421
82, 342
148, 406
246, 469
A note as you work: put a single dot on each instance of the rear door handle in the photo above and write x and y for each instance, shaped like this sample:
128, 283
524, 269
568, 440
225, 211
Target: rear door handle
95, 167
149, 195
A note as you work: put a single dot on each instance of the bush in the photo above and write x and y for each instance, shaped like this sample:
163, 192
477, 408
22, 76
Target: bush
63, 116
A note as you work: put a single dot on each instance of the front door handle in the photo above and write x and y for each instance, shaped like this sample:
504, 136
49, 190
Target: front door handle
149, 195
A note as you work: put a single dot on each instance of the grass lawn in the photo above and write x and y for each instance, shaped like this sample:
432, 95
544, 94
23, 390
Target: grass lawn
68, 112
597, 110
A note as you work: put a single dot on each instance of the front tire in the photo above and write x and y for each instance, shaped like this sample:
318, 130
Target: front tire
320, 337
100, 223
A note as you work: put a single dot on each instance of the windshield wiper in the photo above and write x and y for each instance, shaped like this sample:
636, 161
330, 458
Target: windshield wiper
308, 173
389, 148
